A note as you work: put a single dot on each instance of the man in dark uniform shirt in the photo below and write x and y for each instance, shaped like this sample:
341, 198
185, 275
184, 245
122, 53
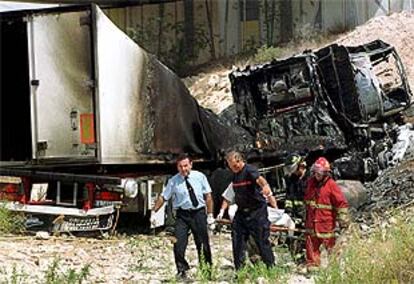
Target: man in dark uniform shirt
251, 219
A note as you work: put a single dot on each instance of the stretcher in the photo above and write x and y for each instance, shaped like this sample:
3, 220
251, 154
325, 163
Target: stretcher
273, 228
282, 231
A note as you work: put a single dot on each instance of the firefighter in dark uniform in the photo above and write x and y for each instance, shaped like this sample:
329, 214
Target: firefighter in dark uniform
296, 177
251, 219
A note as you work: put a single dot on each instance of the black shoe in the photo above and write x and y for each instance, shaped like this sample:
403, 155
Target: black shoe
181, 275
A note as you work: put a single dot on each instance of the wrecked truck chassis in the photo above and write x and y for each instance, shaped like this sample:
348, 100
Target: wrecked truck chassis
338, 101
366, 85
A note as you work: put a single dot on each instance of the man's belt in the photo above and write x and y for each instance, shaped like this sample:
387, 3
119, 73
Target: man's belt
248, 209
191, 209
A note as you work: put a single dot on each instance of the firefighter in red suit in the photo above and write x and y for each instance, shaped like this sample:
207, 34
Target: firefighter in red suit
325, 206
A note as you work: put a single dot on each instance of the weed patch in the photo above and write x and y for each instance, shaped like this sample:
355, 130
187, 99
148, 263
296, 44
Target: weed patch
261, 273
55, 275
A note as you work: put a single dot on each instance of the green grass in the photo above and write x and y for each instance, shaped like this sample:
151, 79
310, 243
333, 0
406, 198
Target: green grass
148, 257
386, 256
17, 276
206, 272
261, 273
55, 275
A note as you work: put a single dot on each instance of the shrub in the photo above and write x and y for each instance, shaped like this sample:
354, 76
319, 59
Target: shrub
266, 54
11, 222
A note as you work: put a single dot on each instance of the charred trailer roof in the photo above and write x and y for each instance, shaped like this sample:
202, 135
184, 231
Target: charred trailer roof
365, 84
281, 103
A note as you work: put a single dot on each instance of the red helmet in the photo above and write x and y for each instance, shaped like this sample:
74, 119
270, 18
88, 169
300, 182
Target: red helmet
321, 166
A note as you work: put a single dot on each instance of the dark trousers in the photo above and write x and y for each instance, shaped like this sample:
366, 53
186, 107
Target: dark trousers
256, 224
196, 221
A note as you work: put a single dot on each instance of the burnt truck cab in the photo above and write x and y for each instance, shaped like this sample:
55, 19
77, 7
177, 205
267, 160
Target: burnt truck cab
367, 91
282, 104
326, 98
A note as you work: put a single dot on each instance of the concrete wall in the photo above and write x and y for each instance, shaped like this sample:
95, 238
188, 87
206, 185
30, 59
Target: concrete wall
233, 32
347, 14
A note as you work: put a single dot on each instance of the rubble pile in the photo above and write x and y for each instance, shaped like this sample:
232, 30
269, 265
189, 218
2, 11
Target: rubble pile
394, 188
212, 90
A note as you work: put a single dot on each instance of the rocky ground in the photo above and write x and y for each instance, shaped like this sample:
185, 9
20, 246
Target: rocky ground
137, 258
125, 259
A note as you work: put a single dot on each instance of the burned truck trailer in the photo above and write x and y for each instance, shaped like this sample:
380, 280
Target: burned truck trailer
89, 120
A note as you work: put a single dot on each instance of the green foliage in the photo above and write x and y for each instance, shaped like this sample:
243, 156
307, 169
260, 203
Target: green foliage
206, 272
266, 54
260, 272
55, 275
11, 222
17, 277
387, 256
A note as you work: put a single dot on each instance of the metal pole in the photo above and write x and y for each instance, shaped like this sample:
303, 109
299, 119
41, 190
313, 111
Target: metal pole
389, 7
58, 192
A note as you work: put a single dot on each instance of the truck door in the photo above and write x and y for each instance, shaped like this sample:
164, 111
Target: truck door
121, 71
61, 85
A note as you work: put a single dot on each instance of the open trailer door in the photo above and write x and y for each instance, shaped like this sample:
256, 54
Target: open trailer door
61, 85
120, 67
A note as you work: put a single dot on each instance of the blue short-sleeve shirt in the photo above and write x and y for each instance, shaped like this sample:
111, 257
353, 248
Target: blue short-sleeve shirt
247, 191
177, 190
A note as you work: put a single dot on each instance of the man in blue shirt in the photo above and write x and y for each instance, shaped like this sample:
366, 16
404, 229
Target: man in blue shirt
191, 197
251, 219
